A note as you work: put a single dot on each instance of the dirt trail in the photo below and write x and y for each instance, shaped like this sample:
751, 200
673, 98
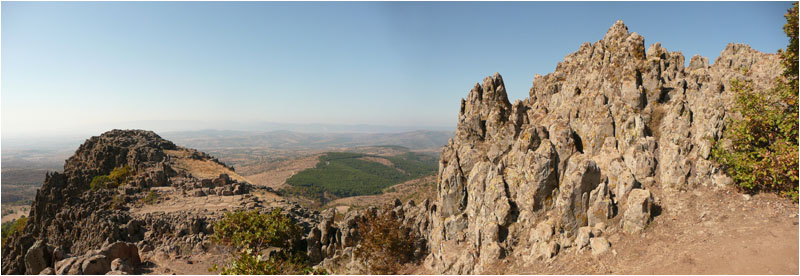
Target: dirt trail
276, 177
705, 231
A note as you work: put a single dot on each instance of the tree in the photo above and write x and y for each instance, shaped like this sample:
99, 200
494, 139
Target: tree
760, 150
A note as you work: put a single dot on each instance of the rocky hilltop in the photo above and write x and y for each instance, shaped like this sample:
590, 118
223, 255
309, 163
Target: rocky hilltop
601, 144
161, 212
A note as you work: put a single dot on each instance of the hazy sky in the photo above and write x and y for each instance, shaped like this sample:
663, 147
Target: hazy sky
70, 67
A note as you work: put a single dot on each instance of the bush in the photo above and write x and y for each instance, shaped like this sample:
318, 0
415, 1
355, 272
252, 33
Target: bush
152, 197
760, 150
386, 244
100, 182
14, 226
252, 233
117, 202
114, 179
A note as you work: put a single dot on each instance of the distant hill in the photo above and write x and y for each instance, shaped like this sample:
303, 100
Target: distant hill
281, 139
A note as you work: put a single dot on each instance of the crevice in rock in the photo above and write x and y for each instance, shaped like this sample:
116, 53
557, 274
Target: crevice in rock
578, 142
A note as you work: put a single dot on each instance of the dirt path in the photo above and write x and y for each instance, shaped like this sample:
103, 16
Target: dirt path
276, 178
704, 232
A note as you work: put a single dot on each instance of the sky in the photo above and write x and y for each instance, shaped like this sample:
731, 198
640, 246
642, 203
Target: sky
75, 67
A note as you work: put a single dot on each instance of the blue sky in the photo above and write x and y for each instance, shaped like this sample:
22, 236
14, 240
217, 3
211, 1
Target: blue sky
72, 67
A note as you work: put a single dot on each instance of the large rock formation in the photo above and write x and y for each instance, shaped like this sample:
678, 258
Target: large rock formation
75, 229
615, 125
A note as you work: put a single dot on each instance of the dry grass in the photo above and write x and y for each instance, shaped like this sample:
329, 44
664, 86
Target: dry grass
382, 161
417, 189
276, 177
202, 169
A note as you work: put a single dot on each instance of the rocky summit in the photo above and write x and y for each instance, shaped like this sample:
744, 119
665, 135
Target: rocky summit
602, 145
164, 210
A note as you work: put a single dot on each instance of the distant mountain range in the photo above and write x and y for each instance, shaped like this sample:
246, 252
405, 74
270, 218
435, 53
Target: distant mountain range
282, 139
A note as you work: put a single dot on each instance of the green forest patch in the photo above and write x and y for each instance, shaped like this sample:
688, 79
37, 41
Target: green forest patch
345, 174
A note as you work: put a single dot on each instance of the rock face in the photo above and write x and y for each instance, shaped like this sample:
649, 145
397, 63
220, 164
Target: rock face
616, 122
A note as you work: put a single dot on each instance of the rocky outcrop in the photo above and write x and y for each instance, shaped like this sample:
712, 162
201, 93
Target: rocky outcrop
332, 244
614, 124
75, 229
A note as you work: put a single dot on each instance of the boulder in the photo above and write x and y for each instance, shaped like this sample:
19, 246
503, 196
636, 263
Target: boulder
38, 258
198, 193
584, 234
95, 265
126, 251
121, 266
637, 211
601, 208
600, 246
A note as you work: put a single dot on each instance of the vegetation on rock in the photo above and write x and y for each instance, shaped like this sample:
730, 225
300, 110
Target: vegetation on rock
760, 149
386, 244
151, 198
11, 227
114, 179
253, 234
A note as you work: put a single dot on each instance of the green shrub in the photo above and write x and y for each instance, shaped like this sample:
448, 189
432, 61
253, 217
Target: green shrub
251, 233
117, 202
386, 244
114, 179
100, 182
121, 174
760, 150
11, 227
152, 197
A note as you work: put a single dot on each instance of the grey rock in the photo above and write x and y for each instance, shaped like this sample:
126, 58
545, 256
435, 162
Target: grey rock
637, 211
600, 246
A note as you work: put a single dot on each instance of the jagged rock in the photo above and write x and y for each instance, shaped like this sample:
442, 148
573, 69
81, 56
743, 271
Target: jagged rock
48, 271
584, 234
38, 258
640, 158
613, 118
95, 265
637, 211
128, 252
600, 206
548, 249
581, 177
73, 218
66, 265
120, 265
600, 246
